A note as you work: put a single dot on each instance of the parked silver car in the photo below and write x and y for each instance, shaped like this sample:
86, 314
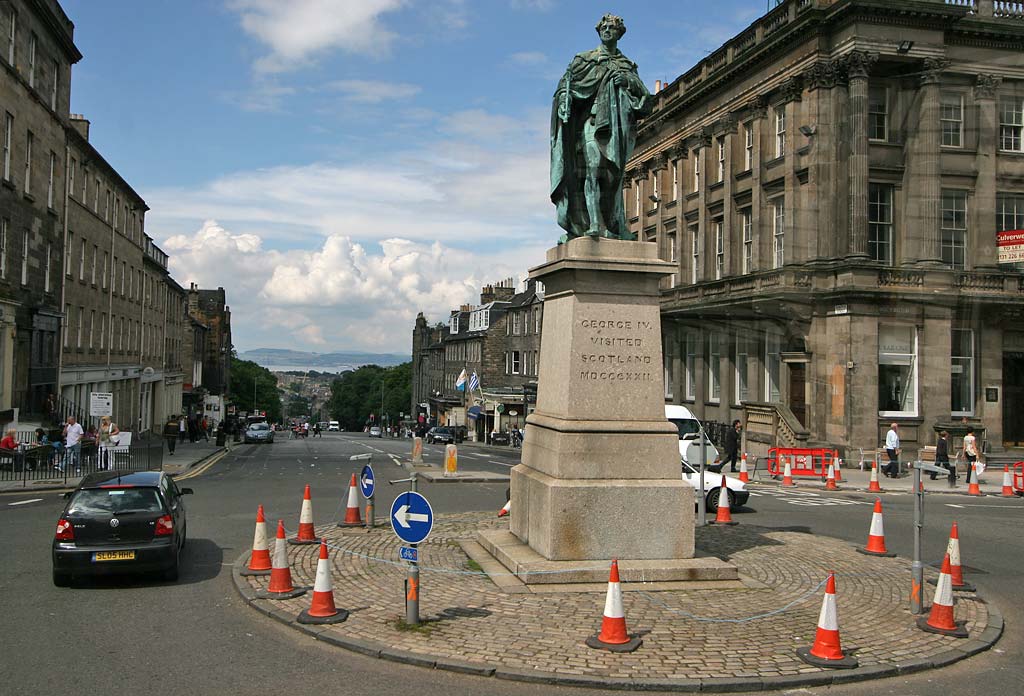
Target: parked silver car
259, 432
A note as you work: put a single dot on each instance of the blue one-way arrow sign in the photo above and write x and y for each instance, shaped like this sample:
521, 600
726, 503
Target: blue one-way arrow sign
366, 481
411, 517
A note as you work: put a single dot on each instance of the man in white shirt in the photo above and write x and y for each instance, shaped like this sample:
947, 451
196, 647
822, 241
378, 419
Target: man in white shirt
73, 434
892, 448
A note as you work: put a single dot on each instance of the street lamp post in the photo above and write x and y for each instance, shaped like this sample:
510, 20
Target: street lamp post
254, 394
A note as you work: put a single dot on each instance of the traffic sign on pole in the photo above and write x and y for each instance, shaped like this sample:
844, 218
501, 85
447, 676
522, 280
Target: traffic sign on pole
366, 482
411, 517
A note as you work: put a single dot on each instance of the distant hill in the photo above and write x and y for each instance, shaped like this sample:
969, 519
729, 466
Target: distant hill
285, 358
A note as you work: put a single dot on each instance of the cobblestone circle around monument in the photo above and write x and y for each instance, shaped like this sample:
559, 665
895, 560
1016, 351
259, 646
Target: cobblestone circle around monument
690, 637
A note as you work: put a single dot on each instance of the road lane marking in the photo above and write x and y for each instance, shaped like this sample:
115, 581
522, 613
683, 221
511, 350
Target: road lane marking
25, 502
501, 463
1001, 507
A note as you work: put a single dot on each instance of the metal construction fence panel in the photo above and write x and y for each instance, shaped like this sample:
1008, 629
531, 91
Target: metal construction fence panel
803, 461
49, 463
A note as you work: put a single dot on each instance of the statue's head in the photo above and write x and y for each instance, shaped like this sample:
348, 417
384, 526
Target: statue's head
614, 23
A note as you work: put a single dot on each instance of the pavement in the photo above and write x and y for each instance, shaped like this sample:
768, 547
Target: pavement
186, 456
740, 638
854, 479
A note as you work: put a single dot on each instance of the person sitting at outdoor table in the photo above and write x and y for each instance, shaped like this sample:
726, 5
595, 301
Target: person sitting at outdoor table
9, 442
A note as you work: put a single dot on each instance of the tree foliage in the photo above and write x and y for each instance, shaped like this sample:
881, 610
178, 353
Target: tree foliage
357, 394
244, 374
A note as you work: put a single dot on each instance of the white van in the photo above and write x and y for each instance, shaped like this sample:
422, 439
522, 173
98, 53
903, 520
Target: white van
689, 451
333, 427
689, 438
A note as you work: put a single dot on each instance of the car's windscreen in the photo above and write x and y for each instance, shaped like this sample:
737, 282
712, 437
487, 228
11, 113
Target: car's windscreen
259, 426
686, 426
115, 500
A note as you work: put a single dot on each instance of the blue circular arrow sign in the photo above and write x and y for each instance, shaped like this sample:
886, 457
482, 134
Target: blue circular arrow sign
411, 517
366, 481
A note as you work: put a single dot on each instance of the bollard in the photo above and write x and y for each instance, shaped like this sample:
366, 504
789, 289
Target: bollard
412, 593
417, 450
701, 503
451, 460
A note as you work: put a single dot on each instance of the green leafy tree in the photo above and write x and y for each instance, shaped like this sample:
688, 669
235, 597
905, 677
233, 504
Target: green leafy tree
246, 378
383, 392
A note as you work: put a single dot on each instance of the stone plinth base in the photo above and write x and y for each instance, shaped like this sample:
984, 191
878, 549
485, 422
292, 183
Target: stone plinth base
567, 519
533, 569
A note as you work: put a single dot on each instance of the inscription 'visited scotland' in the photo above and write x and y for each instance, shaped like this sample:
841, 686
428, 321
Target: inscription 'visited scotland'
623, 366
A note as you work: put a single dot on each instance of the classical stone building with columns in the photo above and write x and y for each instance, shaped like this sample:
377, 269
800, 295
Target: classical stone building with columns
832, 183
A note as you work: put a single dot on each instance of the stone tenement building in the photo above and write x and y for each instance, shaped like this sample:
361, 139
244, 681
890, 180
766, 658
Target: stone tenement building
499, 339
209, 308
37, 51
831, 182
86, 300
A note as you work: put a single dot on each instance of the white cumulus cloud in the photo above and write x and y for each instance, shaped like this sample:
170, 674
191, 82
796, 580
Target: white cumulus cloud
297, 31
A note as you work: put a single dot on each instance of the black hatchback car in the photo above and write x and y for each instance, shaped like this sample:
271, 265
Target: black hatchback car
120, 523
441, 434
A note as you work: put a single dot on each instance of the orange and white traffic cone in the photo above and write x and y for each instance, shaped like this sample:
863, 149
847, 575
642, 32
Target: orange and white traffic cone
613, 635
259, 560
972, 487
352, 518
505, 510
280, 586
876, 534
830, 480
306, 534
839, 470
724, 515
827, 650
956, 571
940, 618
873, 486
744, 475
787, 475
1008, 484
322, 609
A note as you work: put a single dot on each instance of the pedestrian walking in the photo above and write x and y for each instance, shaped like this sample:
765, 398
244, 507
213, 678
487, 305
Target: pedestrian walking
316, 430
182, 428
970, 454
51, 409
73, 434
108, 439
892, 448
172, 430
204, 429
228, 427
942, 457
732, 446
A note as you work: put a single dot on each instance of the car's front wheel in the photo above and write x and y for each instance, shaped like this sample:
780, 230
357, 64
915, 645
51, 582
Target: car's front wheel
712, 499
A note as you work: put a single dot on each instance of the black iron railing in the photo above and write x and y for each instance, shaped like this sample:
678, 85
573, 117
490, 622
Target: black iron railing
58, 464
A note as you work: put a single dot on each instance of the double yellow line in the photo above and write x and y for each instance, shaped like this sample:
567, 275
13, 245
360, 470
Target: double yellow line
202, 468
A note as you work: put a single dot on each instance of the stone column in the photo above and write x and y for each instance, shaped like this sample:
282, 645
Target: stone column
981, 235
858, 64
925, 177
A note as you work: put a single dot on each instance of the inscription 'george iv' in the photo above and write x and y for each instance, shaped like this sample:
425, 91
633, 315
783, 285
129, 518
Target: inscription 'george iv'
625, 366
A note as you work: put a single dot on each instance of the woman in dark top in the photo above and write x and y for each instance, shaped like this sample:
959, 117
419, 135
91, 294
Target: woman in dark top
942, 457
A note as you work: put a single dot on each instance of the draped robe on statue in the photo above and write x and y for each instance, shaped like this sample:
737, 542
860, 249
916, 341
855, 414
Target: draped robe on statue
587, 92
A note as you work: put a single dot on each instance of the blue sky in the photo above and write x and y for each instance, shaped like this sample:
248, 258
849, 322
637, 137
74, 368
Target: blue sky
340, 165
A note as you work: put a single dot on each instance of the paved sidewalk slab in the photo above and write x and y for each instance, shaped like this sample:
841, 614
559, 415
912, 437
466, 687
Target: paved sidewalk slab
738, 639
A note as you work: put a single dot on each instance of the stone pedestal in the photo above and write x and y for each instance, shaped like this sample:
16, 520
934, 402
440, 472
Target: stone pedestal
600, 473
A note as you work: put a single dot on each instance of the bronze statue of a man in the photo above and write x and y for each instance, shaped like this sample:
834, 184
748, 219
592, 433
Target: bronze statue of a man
593, 130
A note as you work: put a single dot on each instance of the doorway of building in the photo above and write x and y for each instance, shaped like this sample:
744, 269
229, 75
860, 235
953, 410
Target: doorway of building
797, 397
1013, 399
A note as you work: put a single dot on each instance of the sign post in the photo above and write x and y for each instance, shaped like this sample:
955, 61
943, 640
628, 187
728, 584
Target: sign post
916, 567
101, 404
366, 487
412, 519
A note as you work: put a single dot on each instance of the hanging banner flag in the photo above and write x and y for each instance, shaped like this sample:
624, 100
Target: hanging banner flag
474, 382
460, 383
